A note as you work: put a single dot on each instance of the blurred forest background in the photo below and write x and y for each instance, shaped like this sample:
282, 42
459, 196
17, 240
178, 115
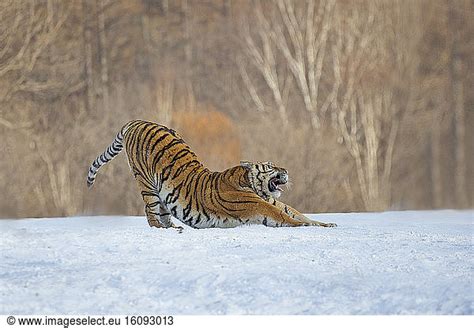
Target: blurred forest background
369, 104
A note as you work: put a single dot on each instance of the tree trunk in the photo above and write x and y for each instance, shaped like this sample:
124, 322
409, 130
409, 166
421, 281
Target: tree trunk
460, 132
436, 180
455, 41
104, 73
87, 48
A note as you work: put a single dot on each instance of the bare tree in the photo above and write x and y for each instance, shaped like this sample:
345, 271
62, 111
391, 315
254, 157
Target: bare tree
87, 54
443, 85
456, 21
435, 152
104, 74
66, 200
369, 41
164, 100
289, 45
18, 61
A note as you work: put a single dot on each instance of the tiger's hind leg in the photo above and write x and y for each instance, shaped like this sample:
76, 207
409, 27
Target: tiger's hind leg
151, 199
152, 208
165, 218
157, 214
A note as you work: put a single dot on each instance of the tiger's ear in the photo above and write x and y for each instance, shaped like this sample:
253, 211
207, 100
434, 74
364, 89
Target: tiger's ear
246, 164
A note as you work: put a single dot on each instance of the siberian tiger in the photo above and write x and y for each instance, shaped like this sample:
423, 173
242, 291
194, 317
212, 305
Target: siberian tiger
173, 182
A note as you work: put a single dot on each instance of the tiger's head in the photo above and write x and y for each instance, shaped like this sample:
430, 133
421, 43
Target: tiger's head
265, 178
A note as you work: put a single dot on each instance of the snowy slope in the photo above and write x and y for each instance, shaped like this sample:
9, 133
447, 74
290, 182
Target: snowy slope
379, 263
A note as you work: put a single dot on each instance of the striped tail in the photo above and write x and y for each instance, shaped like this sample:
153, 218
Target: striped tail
113, 150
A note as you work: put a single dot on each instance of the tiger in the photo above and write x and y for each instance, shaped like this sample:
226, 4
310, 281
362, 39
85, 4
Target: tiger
174, 183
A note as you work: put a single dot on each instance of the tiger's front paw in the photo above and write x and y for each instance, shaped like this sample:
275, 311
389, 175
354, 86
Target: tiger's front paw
322, 224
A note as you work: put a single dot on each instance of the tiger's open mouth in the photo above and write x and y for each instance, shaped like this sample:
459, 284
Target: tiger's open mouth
275, 183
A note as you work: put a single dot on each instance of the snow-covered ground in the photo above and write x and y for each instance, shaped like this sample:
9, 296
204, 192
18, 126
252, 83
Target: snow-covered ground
379, 263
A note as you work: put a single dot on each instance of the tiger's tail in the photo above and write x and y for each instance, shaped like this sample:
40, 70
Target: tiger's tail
113, 150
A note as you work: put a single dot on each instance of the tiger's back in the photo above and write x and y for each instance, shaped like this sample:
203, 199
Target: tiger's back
157, 153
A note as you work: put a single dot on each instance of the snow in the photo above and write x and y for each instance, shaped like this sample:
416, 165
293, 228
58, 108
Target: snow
372, 263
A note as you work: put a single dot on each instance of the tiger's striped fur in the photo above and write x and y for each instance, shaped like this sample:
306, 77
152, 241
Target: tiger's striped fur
173, 182
113, 150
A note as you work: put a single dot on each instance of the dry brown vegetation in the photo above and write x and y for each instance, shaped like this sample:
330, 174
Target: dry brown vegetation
367, 103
